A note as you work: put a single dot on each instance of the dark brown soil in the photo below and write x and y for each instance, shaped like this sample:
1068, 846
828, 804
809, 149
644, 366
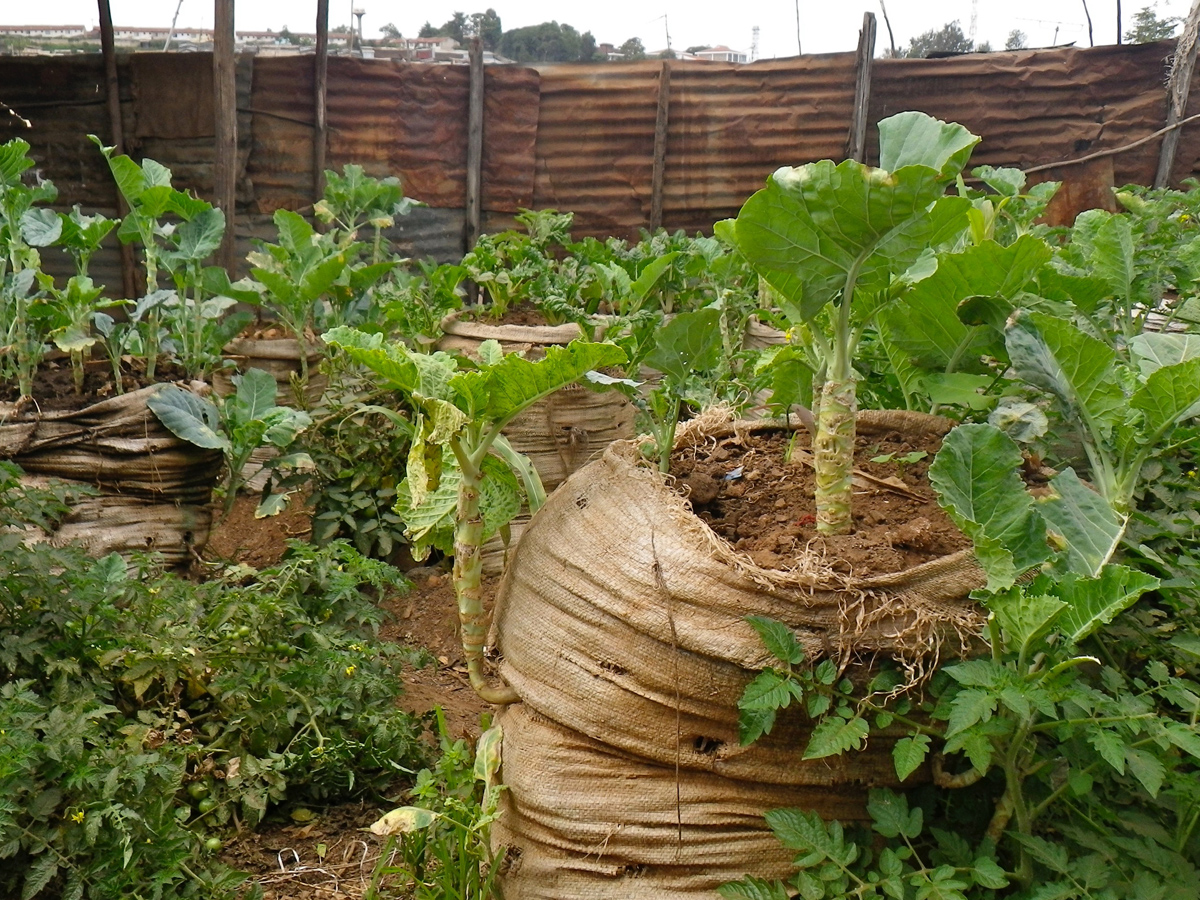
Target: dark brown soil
763, 505
524, 313
328, 857
258, 542
428, 617
54, 382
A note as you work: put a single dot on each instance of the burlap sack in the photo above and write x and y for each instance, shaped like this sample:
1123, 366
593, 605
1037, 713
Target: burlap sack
620, 607
155, 490
760, 336
622, 617
583, 822
462, 333
280, 357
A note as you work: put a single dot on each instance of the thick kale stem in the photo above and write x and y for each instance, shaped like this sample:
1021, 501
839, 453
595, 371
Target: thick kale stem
833, 456
833, 446
468, 583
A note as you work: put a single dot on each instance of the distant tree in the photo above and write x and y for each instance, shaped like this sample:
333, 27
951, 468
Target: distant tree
486, 26
947, 39
668, 54
984, 47
632, 49
548, 42
456, 27
1148, 27
699, 47
340, 29
587, 47
391, 32
1016, 40
287, 37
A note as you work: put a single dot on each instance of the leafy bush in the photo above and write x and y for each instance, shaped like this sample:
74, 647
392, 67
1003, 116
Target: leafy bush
359, 446
140, 710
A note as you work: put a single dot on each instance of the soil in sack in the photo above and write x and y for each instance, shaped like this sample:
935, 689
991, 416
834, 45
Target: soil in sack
756, 490
54, 382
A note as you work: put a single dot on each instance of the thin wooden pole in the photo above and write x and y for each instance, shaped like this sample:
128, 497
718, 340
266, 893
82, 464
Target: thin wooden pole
1179, 85
320, 77
661, 121
116, 135
475, 144
225, 162
888, 23
856, 146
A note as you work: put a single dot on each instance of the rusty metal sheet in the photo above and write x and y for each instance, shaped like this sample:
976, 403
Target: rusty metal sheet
1038, 106
280, 163
406, 120
581, 138
173, 95
595, 144
732, 125
511, 107
729, 126
64, 100
394, 119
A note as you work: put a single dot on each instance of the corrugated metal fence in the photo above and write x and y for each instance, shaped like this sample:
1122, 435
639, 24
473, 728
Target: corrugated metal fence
573, 137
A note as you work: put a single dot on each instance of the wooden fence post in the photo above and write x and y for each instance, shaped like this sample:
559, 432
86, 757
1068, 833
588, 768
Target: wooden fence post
661, 121
475, 145
856, 145
116, 135
1179, 85
225, 162
320, 77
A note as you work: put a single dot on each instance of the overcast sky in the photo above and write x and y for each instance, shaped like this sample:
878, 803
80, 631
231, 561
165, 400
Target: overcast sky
824, 26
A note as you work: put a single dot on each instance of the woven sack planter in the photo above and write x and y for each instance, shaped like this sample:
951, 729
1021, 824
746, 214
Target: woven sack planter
155, 489
583, 822
560, 433
281, 358
622, 617
760, 336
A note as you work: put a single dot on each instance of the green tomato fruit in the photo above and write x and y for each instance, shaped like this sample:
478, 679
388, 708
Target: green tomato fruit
213, 845
197, 790
207, 805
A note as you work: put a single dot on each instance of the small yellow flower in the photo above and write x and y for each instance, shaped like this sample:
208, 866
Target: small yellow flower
78, 817
350, 670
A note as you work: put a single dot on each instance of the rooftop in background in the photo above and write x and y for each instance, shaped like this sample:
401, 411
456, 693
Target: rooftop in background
136, 35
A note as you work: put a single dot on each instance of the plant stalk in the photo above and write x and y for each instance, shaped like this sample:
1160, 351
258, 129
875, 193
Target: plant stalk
468, 582
833, 446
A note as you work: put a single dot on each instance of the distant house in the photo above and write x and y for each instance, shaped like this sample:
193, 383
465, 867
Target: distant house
421, 49
44, 31
722, 54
